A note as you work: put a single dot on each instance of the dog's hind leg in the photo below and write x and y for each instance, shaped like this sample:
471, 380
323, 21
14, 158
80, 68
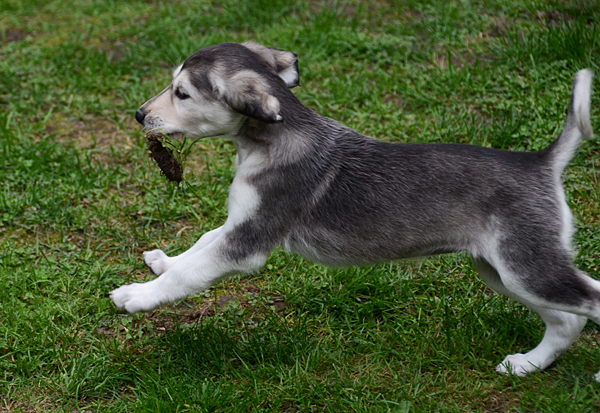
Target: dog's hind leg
159, 262
562, 328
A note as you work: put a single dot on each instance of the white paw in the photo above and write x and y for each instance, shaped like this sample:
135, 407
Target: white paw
597, 376
157, 261
517, 364
135, 297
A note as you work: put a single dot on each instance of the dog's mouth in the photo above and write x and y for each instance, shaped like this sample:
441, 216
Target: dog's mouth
159, 131
176, 135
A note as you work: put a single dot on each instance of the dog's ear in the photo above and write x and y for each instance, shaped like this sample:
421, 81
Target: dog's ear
283, 62
246, 92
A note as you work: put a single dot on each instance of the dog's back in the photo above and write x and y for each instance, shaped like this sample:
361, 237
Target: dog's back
388, 200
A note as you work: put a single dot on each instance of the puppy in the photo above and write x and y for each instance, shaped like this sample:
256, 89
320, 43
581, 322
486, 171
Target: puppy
321, 190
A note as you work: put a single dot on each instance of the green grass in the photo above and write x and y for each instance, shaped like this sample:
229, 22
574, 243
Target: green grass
80, 200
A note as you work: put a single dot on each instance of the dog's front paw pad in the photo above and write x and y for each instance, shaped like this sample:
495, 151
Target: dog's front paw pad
517, 364
157, 261
133, 298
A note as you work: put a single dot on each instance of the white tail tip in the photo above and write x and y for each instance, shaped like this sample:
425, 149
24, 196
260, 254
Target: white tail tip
580, 105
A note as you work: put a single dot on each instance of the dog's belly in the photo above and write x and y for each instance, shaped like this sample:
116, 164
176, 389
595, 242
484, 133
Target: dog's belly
331, 250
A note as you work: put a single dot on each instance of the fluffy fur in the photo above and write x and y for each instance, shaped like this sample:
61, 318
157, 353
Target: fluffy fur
330, 194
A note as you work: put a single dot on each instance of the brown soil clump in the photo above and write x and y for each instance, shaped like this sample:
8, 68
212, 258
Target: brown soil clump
168, 164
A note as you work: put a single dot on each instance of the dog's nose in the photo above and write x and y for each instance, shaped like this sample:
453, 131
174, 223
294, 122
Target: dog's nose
140, 115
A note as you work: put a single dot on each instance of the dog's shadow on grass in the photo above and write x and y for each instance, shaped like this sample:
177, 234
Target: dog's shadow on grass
222, 343
225, 342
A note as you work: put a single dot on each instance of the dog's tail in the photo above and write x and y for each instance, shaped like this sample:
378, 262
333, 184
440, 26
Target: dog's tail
577, 124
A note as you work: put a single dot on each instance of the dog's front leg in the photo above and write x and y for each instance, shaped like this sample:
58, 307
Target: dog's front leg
192, 273
159, 262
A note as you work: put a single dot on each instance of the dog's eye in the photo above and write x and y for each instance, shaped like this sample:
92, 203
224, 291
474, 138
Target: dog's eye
181, 95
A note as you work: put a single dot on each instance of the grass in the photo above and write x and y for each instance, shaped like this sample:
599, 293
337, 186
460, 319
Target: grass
80, 201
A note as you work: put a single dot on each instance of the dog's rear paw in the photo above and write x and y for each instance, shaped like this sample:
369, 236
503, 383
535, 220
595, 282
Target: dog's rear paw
518, 364
157, 261
134, 298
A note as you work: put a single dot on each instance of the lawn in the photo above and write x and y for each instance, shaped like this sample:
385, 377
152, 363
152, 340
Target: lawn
81, 200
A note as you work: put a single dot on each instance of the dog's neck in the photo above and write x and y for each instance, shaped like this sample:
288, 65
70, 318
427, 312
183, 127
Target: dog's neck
302, 133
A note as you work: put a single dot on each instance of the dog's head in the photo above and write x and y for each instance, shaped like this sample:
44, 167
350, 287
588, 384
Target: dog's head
217, 87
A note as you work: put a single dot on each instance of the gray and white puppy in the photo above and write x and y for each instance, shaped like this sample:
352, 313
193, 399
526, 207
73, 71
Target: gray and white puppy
321, 190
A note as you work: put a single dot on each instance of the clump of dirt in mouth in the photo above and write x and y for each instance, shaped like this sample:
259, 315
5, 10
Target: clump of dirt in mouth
168, 164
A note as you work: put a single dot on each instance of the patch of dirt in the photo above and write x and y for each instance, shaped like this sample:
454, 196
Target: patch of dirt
350, 10
7, 406
93, 133
35, 400
241, 294
278, 303
413, 15
498, 28
190, 316
113, 51
14, 35
394, 99
497, 403
554, 17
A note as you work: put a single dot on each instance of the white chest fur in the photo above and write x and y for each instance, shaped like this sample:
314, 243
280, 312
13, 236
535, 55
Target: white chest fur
244, 199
